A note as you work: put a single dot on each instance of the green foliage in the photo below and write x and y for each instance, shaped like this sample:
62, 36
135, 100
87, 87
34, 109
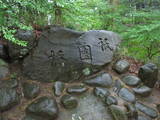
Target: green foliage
138, 26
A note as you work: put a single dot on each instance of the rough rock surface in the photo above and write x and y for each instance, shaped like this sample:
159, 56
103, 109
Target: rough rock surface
62, 54
102, 80
149, 74
8, 98
44, 107
30, 90
4, 70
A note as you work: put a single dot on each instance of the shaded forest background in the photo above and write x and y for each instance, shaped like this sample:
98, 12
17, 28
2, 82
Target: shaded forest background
137, 21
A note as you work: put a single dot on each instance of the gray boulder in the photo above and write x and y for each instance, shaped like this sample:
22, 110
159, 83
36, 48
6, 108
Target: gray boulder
44, 107
62, 54
149, 74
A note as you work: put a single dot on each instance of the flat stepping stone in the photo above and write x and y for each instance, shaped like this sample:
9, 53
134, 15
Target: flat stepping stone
131, 80
69, 102
111, 100
146, 110
102, 93
77, 89
118, 112
143, 91
102, 80
44, 107
30, 90
121, 66
8, 98
125, 94
58, 88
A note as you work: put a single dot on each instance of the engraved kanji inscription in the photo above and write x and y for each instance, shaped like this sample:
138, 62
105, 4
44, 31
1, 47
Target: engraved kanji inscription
56, 57
85, 52
104, 44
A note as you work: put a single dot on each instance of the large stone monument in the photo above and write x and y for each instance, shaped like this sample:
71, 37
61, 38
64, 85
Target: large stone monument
62, 54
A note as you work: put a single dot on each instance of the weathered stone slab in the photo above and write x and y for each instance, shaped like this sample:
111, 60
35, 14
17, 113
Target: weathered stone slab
62, 54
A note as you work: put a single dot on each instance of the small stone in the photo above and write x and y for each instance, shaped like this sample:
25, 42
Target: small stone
4, 70
58, 88
102, 80
131, 80
142, 91
77, 89
102, 93
69, 102
30, 90
44, 107
8, 98
125, 94
141, 117
149, 74
118, 112
110, 100
122, 66
146, 110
